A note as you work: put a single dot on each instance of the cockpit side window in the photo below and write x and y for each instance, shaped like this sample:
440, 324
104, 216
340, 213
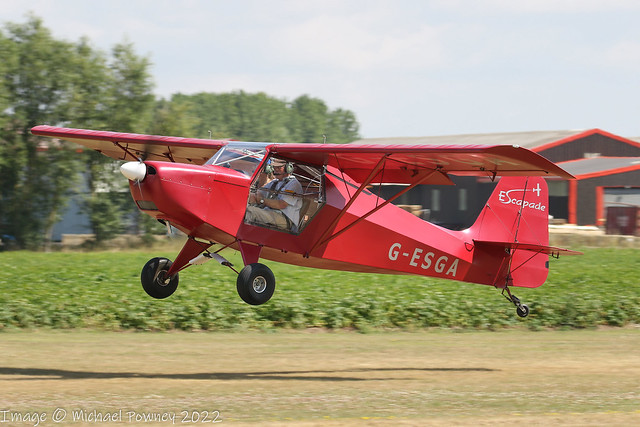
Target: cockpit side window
285, 195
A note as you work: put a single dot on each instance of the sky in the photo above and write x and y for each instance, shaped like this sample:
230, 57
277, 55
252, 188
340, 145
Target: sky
404, 67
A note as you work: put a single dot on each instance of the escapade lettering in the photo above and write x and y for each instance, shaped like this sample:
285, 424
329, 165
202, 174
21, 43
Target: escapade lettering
426, 261
505, 198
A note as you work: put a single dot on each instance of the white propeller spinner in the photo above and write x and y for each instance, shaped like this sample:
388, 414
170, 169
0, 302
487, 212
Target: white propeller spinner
134, 171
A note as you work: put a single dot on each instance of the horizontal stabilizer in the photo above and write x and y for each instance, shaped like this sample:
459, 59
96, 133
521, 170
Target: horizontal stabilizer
541, 249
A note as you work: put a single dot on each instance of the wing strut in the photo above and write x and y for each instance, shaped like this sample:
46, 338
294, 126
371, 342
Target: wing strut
325, 238
126, 151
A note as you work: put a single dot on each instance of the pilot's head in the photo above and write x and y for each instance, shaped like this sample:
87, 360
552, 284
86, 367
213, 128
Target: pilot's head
281, 168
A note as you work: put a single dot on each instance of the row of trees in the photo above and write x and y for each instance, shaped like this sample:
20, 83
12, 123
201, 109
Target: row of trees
254, 117
48, 81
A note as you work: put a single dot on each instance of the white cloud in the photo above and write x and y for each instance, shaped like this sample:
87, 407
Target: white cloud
539, 6
355, 44
624, 54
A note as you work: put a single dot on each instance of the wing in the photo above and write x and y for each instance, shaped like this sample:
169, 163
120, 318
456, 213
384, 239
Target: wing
401, 164
429, 164
131, 146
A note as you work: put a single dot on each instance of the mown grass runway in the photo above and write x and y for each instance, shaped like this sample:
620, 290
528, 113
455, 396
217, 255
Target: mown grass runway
436, 377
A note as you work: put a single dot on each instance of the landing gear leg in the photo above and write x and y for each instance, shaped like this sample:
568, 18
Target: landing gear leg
521, 309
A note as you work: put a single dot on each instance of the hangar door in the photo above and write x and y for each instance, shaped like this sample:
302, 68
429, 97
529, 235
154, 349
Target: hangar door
622, 205
558, 199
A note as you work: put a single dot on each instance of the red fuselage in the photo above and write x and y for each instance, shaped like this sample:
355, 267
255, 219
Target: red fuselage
209, 203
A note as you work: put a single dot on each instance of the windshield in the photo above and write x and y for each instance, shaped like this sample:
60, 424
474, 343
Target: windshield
240, 156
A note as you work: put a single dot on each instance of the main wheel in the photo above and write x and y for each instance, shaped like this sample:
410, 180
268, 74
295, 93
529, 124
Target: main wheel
256, 284
154, 278
522, 310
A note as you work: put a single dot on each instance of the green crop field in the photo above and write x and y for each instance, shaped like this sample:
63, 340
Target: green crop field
101, 290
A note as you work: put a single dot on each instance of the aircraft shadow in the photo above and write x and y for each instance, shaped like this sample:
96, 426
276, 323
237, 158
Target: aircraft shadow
309, 375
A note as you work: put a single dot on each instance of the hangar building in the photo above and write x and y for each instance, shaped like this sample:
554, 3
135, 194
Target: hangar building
606, 167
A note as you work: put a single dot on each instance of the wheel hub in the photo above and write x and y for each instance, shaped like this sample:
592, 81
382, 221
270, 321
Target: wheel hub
162, 279
259, 284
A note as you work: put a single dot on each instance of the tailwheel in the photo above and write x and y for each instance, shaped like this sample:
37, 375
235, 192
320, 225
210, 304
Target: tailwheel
154, 278
256, 284
522, 310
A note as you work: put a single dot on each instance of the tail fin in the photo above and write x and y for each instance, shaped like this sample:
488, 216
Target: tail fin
514, 225
517, 211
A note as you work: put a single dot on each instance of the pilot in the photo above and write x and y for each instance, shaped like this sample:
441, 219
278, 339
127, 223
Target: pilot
278, 202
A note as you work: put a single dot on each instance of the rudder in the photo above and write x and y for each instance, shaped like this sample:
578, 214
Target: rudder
515, 220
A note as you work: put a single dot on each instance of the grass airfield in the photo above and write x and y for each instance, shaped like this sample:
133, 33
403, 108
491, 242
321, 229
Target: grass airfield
314, 377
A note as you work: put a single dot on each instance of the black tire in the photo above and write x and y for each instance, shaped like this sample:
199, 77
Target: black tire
256, 284
154, 278
522, 311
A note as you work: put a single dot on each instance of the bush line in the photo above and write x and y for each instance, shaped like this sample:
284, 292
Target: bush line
101, 291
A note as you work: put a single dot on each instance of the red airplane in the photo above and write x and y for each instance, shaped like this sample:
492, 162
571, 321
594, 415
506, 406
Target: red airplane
312, 205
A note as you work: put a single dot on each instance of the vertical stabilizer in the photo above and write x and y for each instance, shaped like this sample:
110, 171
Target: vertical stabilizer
517, 211
514, 225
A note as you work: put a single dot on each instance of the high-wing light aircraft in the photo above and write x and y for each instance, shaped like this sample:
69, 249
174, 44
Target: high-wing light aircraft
312, 205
